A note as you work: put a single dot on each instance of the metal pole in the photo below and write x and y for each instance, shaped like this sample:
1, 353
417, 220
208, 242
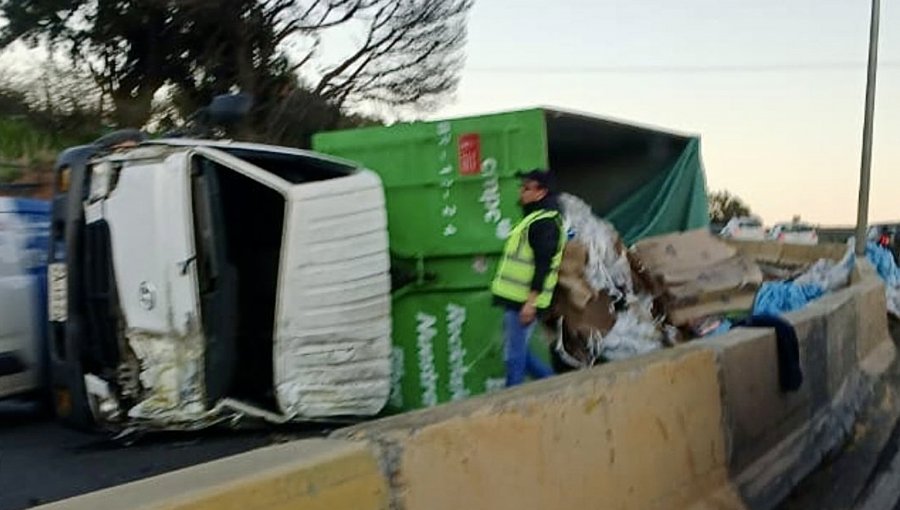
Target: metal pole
862, 217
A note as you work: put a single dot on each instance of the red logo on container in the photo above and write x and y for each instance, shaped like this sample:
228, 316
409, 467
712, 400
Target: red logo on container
470, 154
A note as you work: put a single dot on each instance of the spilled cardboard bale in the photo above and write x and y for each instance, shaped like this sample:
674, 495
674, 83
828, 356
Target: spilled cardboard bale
696, 275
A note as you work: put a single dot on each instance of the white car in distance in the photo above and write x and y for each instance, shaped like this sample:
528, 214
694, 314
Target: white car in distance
794, 233
744, 228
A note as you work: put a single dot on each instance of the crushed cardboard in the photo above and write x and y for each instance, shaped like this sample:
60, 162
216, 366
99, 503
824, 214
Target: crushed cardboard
586, 313
583, 308
577, 292
697, 275
674, 253
608, 312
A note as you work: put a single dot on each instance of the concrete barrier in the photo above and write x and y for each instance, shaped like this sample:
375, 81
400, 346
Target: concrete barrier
703, 425
777, 438
644, 433
303, 475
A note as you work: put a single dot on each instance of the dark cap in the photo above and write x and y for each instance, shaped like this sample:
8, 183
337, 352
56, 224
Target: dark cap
542, 177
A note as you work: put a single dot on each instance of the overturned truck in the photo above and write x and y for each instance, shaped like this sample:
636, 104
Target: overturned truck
197, 281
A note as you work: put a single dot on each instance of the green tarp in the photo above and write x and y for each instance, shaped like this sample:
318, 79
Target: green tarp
674, 200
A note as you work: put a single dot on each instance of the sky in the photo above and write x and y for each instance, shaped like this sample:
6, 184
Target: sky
774, 88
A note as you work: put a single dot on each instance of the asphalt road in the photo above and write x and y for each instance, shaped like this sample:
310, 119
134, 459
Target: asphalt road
41, 461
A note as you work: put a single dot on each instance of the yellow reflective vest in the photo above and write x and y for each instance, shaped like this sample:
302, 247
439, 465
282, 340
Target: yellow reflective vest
513, 278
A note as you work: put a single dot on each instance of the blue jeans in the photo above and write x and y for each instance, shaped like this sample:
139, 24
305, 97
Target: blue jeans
519, 358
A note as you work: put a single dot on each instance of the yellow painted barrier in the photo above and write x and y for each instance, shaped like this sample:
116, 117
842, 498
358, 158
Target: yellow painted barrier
303, 475
639, 434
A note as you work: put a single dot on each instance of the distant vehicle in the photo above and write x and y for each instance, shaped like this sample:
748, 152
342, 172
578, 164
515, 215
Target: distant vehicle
24, 231
875, 231
794, 233
744, 228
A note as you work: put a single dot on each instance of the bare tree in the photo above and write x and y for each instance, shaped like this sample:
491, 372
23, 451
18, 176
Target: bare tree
409, 52
409, 55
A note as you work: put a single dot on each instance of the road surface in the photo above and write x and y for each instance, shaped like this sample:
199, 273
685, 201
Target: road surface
41, 461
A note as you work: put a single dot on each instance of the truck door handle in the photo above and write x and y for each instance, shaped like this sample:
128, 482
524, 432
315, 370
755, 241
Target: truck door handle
184, 265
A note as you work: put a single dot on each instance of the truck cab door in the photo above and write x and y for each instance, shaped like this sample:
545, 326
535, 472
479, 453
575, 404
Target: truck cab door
140, 239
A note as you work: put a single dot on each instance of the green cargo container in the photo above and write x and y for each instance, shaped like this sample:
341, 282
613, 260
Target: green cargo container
448, 347
452, 199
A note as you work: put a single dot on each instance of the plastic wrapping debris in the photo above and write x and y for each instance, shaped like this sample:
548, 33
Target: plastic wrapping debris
828, 274
884, 263
710, 326
892, 295
607, 267
596, 313
776, 298
674, 287
887, 269
822, 277
632, 335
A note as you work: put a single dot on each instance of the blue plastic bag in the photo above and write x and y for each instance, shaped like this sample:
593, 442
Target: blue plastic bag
775, 298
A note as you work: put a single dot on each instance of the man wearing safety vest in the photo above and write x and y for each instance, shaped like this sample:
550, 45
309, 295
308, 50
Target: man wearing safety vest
528, 273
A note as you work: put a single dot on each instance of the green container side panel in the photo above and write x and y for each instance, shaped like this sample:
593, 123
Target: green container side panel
447, 346
673, 201
469, 272
450, 185
452, 198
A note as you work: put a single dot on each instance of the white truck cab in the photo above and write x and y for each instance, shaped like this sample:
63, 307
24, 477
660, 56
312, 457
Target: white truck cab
221, 279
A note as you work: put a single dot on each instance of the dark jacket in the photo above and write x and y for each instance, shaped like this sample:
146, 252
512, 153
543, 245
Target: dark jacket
543, 237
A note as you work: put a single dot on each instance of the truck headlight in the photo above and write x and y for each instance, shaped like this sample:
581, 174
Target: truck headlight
101, 173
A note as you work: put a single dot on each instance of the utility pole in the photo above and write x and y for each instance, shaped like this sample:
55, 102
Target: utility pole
862, 217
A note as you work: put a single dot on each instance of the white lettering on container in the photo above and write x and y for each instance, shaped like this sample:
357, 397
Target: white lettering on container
490, 198
445, 138
428, 377
456, 320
